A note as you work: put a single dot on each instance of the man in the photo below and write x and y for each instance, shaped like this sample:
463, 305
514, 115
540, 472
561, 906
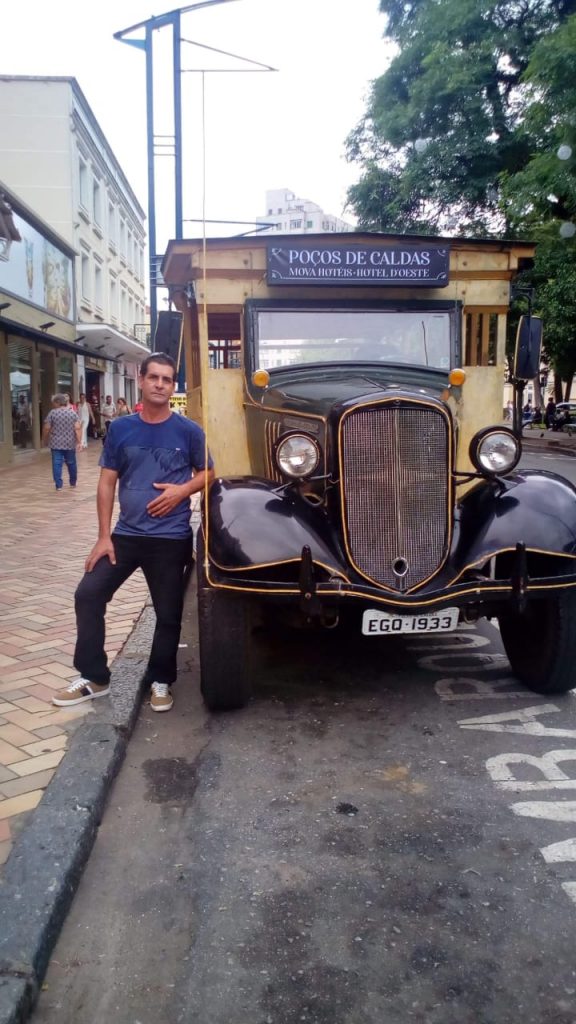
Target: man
107, 413
550, 414
62, 432
153, 455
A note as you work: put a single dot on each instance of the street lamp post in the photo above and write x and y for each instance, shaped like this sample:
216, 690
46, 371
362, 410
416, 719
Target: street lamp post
150, 26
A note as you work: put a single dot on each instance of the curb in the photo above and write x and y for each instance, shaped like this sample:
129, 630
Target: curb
46, 863
535, 446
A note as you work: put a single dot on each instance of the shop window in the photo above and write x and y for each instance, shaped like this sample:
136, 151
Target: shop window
480, 338
65, 374
2, 437
20, 371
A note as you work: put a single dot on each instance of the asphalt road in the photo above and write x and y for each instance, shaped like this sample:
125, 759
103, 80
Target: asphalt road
564, 465
386, 834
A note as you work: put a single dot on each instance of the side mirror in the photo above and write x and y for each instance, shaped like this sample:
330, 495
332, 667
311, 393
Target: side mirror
526, 364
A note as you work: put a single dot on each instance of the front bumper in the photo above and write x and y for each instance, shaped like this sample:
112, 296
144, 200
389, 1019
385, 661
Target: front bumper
512, 538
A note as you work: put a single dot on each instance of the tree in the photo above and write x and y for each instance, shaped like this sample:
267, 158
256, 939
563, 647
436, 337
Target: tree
444, 126
545, 189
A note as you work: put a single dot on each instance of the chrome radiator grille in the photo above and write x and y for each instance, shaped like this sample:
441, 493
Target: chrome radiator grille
395, 482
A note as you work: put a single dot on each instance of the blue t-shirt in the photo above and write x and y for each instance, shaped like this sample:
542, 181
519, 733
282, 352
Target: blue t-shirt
144, 454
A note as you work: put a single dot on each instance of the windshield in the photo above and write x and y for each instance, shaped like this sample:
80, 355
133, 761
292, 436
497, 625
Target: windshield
287, 337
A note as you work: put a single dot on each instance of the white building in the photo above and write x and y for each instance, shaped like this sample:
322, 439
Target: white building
55, 158
287, 214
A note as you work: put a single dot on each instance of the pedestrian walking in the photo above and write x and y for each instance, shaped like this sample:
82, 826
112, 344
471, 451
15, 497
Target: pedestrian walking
107, 414
86, 416
152, 455
122, 408
62, 432
550, 413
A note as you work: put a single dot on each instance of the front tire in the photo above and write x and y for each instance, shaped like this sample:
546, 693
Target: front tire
541, 643
224, 641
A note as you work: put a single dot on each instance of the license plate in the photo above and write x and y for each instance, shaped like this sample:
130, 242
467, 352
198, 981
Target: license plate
377, 623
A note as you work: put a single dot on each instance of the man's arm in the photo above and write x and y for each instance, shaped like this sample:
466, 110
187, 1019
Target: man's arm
172, 494
104, 505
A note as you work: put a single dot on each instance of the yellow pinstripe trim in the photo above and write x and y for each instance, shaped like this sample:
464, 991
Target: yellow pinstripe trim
385, 600
502, 551
272, 565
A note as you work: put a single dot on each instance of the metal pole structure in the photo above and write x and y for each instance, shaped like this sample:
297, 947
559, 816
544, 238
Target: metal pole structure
151, 181
177, 76
178, 206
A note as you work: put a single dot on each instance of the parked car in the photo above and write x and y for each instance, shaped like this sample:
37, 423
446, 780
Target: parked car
362, 471
565, 415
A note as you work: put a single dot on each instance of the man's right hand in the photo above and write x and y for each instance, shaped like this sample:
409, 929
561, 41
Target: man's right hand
102, 549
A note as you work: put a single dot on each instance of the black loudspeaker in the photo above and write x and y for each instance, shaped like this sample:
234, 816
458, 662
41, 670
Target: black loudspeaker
167, 337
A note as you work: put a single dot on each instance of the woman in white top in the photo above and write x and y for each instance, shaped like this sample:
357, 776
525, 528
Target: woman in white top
84, 410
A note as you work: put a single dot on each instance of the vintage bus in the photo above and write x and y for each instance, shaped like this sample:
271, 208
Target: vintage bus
351, 391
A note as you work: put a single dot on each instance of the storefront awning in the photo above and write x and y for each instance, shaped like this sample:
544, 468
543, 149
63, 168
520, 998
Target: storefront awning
107, 342
22, 331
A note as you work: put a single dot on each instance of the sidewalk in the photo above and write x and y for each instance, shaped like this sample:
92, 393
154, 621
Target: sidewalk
536, 439
44, 539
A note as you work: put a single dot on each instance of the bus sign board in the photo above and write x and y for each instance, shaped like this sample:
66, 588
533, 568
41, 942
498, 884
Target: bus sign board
349, 264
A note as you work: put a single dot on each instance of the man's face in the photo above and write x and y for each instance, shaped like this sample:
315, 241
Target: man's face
108, 399
158, 384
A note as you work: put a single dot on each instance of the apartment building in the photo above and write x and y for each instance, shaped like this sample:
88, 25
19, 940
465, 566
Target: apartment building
288, 214
55, 158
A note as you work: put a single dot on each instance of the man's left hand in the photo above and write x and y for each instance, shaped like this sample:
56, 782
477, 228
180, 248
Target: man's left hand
172, 495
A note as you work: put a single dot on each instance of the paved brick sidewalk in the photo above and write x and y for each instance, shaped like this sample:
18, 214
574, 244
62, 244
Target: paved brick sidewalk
44, 539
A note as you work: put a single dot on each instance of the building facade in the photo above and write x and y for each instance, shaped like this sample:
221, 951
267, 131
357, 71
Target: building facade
56, 160
38, 348
287, 214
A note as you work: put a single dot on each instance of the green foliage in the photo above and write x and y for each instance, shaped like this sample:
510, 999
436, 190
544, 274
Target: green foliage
445, 122
461, 136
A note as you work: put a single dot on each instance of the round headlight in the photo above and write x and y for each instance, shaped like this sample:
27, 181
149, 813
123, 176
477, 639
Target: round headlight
495, 451
297, 455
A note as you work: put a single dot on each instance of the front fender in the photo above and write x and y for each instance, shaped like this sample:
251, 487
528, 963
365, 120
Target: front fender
532, 507
252, 524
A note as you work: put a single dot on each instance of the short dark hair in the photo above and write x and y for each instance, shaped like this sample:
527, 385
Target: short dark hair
158, 357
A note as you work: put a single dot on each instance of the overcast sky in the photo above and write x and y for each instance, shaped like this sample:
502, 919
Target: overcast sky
268, 130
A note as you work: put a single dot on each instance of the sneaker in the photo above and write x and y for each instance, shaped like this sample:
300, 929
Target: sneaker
160, 698
78, 691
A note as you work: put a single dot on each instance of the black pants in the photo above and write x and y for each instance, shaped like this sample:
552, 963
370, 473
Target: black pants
163, 563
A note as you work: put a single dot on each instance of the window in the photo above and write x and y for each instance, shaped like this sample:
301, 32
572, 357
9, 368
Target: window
65, 374
124, 306
122, 239
98, 287
112, 232
97, 202
293, 337
85, 277
309, 223
481, 338
113, 299
84, 194
295, 224
129, 249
